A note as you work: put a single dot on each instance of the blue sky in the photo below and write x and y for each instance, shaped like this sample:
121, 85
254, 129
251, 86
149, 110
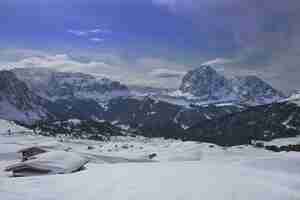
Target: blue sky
140, 38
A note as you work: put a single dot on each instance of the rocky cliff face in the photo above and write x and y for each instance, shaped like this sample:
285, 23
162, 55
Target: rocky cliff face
206, 84
18, 102
55, 85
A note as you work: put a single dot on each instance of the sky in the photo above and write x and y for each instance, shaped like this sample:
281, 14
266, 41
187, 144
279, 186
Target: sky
154, 42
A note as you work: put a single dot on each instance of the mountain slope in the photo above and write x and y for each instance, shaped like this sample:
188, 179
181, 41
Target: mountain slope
158, 118
74, 128
264, 122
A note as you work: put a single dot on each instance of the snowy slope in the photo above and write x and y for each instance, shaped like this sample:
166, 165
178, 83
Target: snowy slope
293, 98
232, 173
6, 126
190, 181
284, 141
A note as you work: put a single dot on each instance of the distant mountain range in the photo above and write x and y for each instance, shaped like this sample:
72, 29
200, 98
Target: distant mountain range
210, 107
54, 85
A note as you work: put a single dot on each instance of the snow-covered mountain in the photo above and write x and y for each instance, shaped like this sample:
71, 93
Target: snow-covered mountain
53, 85
18, 102
205, 84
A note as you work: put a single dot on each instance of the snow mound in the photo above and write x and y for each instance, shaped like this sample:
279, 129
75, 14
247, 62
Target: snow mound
56, 162
284, 141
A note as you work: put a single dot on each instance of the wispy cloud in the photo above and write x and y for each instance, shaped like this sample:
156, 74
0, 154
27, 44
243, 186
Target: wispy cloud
155, 72
97, 40
89, 32
98, 30
217, 61
94, 35
78, 32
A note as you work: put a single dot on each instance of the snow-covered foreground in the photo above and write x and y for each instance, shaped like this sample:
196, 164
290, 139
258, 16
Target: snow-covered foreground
186, 180
120, 169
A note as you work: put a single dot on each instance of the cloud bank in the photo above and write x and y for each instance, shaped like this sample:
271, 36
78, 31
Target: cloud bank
167, 73
143, 71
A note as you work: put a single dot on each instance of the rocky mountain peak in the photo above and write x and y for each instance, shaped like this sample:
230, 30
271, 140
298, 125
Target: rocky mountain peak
207, 84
